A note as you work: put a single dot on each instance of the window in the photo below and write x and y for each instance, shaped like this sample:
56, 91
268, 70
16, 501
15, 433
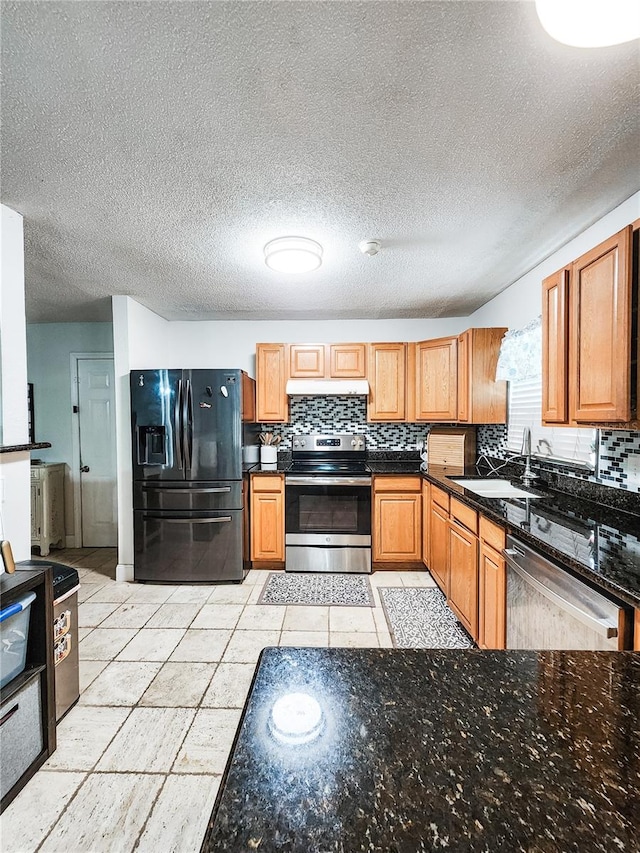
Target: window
565, 444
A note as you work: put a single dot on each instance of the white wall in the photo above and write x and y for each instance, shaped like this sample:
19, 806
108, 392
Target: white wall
223, 344
522, 301
15, 509
49, 348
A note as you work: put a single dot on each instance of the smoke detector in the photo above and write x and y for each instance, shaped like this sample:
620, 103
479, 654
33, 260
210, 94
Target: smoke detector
369, 247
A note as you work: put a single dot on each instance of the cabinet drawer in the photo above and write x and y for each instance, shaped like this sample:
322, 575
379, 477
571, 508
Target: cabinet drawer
439, 497
397, 484
466, 516
492, 534
266, 483
21, 739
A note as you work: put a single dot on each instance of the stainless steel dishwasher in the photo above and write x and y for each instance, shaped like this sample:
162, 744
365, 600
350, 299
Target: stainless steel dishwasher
549, 608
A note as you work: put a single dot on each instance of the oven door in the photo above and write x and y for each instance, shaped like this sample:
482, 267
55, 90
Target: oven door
327, 523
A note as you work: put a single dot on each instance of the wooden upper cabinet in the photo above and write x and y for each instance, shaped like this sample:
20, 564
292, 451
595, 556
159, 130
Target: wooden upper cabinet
464, 387
347, 361
600, 332
248, 399
387, 381
555, 347
481, 398
271, 378
307, 361
436, 397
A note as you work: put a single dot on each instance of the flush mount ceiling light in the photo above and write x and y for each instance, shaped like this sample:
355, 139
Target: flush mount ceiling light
293, 254
590, 23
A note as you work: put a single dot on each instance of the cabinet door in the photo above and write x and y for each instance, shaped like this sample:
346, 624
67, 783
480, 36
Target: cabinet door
348, 361
267, 526
306, 361
555, 347
387, 395
600, 333
464, 373
439, 546
397, 527
463, 576
426, 536
271, 378
437, 380
492, 603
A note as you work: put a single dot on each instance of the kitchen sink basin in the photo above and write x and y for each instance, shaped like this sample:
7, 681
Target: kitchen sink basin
493, 488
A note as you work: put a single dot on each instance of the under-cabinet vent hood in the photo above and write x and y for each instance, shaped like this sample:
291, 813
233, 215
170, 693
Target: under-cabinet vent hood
326, 387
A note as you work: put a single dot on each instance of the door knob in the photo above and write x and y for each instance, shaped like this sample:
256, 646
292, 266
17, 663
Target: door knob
84, 469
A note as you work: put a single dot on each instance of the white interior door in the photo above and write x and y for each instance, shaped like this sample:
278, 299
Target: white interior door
96, 404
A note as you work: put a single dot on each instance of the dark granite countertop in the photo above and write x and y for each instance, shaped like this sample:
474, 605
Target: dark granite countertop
425, 750
593, 540
18, 448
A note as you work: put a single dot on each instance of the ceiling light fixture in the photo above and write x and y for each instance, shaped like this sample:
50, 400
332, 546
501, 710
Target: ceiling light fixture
293, 255
590, 23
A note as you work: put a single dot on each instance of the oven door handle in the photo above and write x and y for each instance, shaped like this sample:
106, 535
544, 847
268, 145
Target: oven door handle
326, 481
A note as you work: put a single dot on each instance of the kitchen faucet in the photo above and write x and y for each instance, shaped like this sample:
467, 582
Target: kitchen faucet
528, 477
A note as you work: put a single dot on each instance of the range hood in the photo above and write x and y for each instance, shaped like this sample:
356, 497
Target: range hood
327, 387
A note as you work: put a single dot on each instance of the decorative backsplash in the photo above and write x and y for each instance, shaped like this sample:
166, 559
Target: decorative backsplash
616, 452
345, 415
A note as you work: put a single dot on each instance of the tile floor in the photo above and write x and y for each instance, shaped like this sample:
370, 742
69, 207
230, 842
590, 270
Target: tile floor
164, 673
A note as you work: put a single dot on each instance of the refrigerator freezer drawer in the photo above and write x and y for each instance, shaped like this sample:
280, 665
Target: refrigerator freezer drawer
188, 547
188, 496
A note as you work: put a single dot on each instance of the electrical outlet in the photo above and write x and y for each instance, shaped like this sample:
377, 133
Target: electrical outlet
632, 469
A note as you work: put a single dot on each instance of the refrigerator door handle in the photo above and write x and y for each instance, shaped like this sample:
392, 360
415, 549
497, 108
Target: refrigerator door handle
217, 520
177, 426
188, 426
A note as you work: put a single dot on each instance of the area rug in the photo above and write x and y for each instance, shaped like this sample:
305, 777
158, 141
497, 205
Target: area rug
334, 590
421, 619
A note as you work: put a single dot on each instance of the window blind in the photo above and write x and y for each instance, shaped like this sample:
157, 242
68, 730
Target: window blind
566, 444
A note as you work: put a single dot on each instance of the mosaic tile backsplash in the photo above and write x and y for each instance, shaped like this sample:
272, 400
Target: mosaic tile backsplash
618, 457
345, 414
618, 452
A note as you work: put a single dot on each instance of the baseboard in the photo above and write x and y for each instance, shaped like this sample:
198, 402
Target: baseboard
124, 572
70, 541
408, 566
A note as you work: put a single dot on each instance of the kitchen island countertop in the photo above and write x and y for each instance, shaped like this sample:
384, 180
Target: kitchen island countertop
420, 750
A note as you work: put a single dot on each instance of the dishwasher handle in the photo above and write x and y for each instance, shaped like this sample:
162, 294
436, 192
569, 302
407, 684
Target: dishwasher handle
579, 600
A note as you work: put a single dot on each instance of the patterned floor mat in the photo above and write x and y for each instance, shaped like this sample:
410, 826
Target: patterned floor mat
336, 590
421, 619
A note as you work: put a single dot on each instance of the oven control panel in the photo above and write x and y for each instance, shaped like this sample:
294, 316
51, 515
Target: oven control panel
328, 443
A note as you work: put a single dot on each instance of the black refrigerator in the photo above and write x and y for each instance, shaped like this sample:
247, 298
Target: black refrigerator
190, 519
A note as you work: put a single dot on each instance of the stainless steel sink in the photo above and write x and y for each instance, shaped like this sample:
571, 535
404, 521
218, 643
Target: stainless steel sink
493, 488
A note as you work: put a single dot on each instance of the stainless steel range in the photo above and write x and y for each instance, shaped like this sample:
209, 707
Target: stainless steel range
328, 505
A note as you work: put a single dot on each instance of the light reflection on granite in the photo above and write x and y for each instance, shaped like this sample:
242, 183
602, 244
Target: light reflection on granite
429, 750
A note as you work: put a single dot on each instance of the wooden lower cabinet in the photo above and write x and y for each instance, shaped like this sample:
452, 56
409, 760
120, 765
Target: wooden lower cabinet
267, 518
492, 599
636, 632
397, 527
492, 591
397, 519
463, 576
439, 546
426, 508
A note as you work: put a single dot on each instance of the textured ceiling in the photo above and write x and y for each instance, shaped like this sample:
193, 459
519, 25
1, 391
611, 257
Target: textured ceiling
154, 148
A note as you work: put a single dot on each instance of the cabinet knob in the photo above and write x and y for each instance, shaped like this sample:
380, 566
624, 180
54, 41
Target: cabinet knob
84, 469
